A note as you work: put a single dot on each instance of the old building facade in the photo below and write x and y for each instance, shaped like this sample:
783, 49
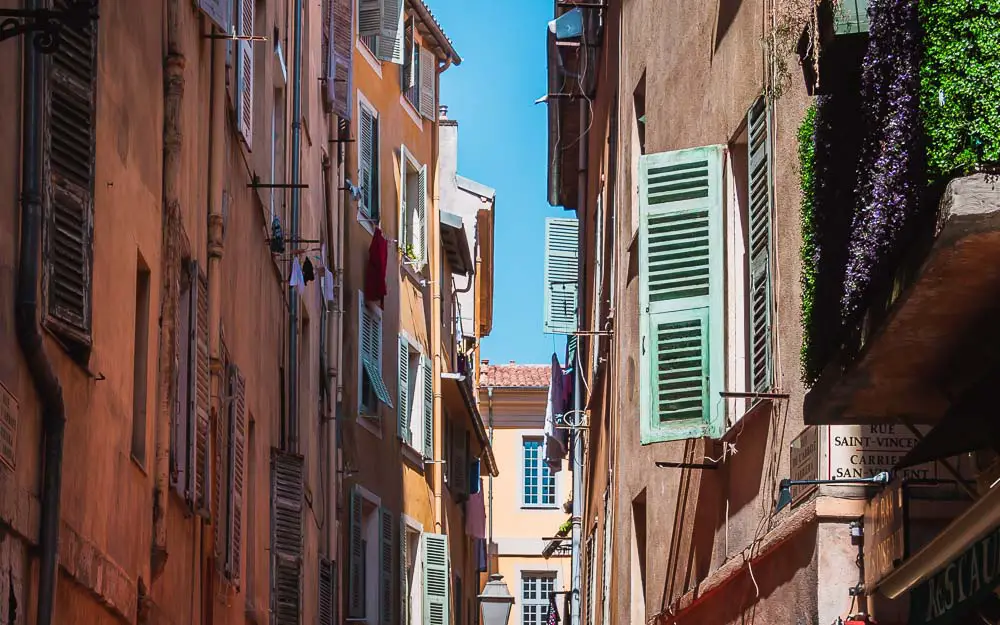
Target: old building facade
200, 402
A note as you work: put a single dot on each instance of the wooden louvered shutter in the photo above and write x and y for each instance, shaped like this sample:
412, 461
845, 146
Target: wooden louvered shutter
404, 226
218, 11
366, 163
244, 72
681, 294
201, 397
387, 576
403, 383
407, 76
369, 17
420, 226
606, 564
760, 209
436, 575
560, 275
390, 40
404, 590
428, 84
327, 592
220, 475
286, 537
237, 473
69, 186
327, 54
428, 408
356, 556
343, 65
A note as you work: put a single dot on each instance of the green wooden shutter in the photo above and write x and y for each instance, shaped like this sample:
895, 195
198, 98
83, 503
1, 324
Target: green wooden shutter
403, 381
561, 274
681, 272
390, 40
327, 592
355, 582
421, 226
366, 163
387, 577
286, 537
760, 210
428, 374
436, 575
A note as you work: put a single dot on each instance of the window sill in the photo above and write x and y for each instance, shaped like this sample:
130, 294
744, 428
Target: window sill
367, 223
411, 454
138, 464
411, 111
372, 424
734, 430
369, 56
538, 507
413, 273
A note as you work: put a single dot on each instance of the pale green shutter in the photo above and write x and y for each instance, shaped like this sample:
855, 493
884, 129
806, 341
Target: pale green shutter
356, 584
403, 382
761, 202
436, 575
428, 374
371, 352
405, 235
681, 271
561, 275
367, 171
421, 228
404, 588
390, 40
369, 17
387, 550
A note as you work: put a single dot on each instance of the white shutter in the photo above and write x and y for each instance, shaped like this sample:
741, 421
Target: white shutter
420, 227
390, 41
404, 234
244, 71
369, 17
428, 86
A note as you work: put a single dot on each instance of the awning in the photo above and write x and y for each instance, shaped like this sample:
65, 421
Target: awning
968, 426
455, 244
981, 518
457, 396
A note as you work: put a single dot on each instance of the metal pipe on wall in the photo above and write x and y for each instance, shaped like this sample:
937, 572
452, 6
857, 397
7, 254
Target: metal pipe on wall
43, 376
293, 233
489, 543
434, 260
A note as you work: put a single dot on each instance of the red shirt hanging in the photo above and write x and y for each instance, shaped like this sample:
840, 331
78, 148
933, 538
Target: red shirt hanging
378, 256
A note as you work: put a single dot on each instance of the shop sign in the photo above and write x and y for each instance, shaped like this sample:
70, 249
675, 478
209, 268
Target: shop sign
804, 461
960, 585
885, 533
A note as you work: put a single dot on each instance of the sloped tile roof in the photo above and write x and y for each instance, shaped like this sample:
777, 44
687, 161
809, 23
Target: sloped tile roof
515, 375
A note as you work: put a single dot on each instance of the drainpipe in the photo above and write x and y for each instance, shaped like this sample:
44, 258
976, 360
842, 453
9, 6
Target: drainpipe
489, 544
293, 232
173, 97
43, 377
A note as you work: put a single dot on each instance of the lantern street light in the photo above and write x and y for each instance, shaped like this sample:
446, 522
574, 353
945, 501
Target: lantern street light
496, 601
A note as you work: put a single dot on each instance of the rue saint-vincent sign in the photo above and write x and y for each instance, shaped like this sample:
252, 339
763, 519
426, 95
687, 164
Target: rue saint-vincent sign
885, 533
962, 584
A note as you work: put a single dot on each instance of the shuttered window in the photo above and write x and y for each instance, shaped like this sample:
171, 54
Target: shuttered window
411, 394
286, 537
327, 592
372, 386
437, 571
561, 275
218, 11
237, 473
412, 209
356, 594
409, 74
428, 83
428, 410
387, 564
458, 473
681, 275
244, 71
68, 195
200, 392
761, 200
368, 170
180, 463
380, 26
343, 58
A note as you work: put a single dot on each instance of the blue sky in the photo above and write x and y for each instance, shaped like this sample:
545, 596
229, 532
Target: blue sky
502, 143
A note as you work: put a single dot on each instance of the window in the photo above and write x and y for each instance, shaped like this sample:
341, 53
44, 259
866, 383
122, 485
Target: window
637, 144
68, 200
539, 482
437, 570
372, 565
409, 73
236, 463
140, 361
415, 406
561, 275
286, 536
380, 28
371, 387
250, 589
536, 591
412, 209
278, 130
591, 576
244, 100
189, 451
412, 577
368, 169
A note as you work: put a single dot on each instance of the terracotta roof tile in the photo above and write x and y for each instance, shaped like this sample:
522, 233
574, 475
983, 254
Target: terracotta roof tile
515, 375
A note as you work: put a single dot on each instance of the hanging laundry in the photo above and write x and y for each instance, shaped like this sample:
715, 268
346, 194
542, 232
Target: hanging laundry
326, 284
475, 515
378, 257
296, 279
553, 445
277, 236
308, 273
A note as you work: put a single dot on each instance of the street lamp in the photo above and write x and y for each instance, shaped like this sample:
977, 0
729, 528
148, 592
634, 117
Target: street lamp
785, 487
496, 601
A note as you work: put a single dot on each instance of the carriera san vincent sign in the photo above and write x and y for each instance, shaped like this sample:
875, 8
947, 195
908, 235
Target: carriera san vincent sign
960, 585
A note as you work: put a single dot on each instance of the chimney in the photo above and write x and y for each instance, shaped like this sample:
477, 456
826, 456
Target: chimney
486, 362
443, 109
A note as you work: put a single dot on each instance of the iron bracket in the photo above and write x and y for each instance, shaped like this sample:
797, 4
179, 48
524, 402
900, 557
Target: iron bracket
47, 24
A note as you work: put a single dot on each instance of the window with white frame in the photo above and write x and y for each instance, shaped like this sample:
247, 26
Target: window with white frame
412, 209
409, 82
368, 162
539, 485
411, 596
371, 386
414, 406
365, 577
536, 590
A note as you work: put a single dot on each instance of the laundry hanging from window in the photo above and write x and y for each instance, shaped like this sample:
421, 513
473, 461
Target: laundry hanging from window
378, 256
